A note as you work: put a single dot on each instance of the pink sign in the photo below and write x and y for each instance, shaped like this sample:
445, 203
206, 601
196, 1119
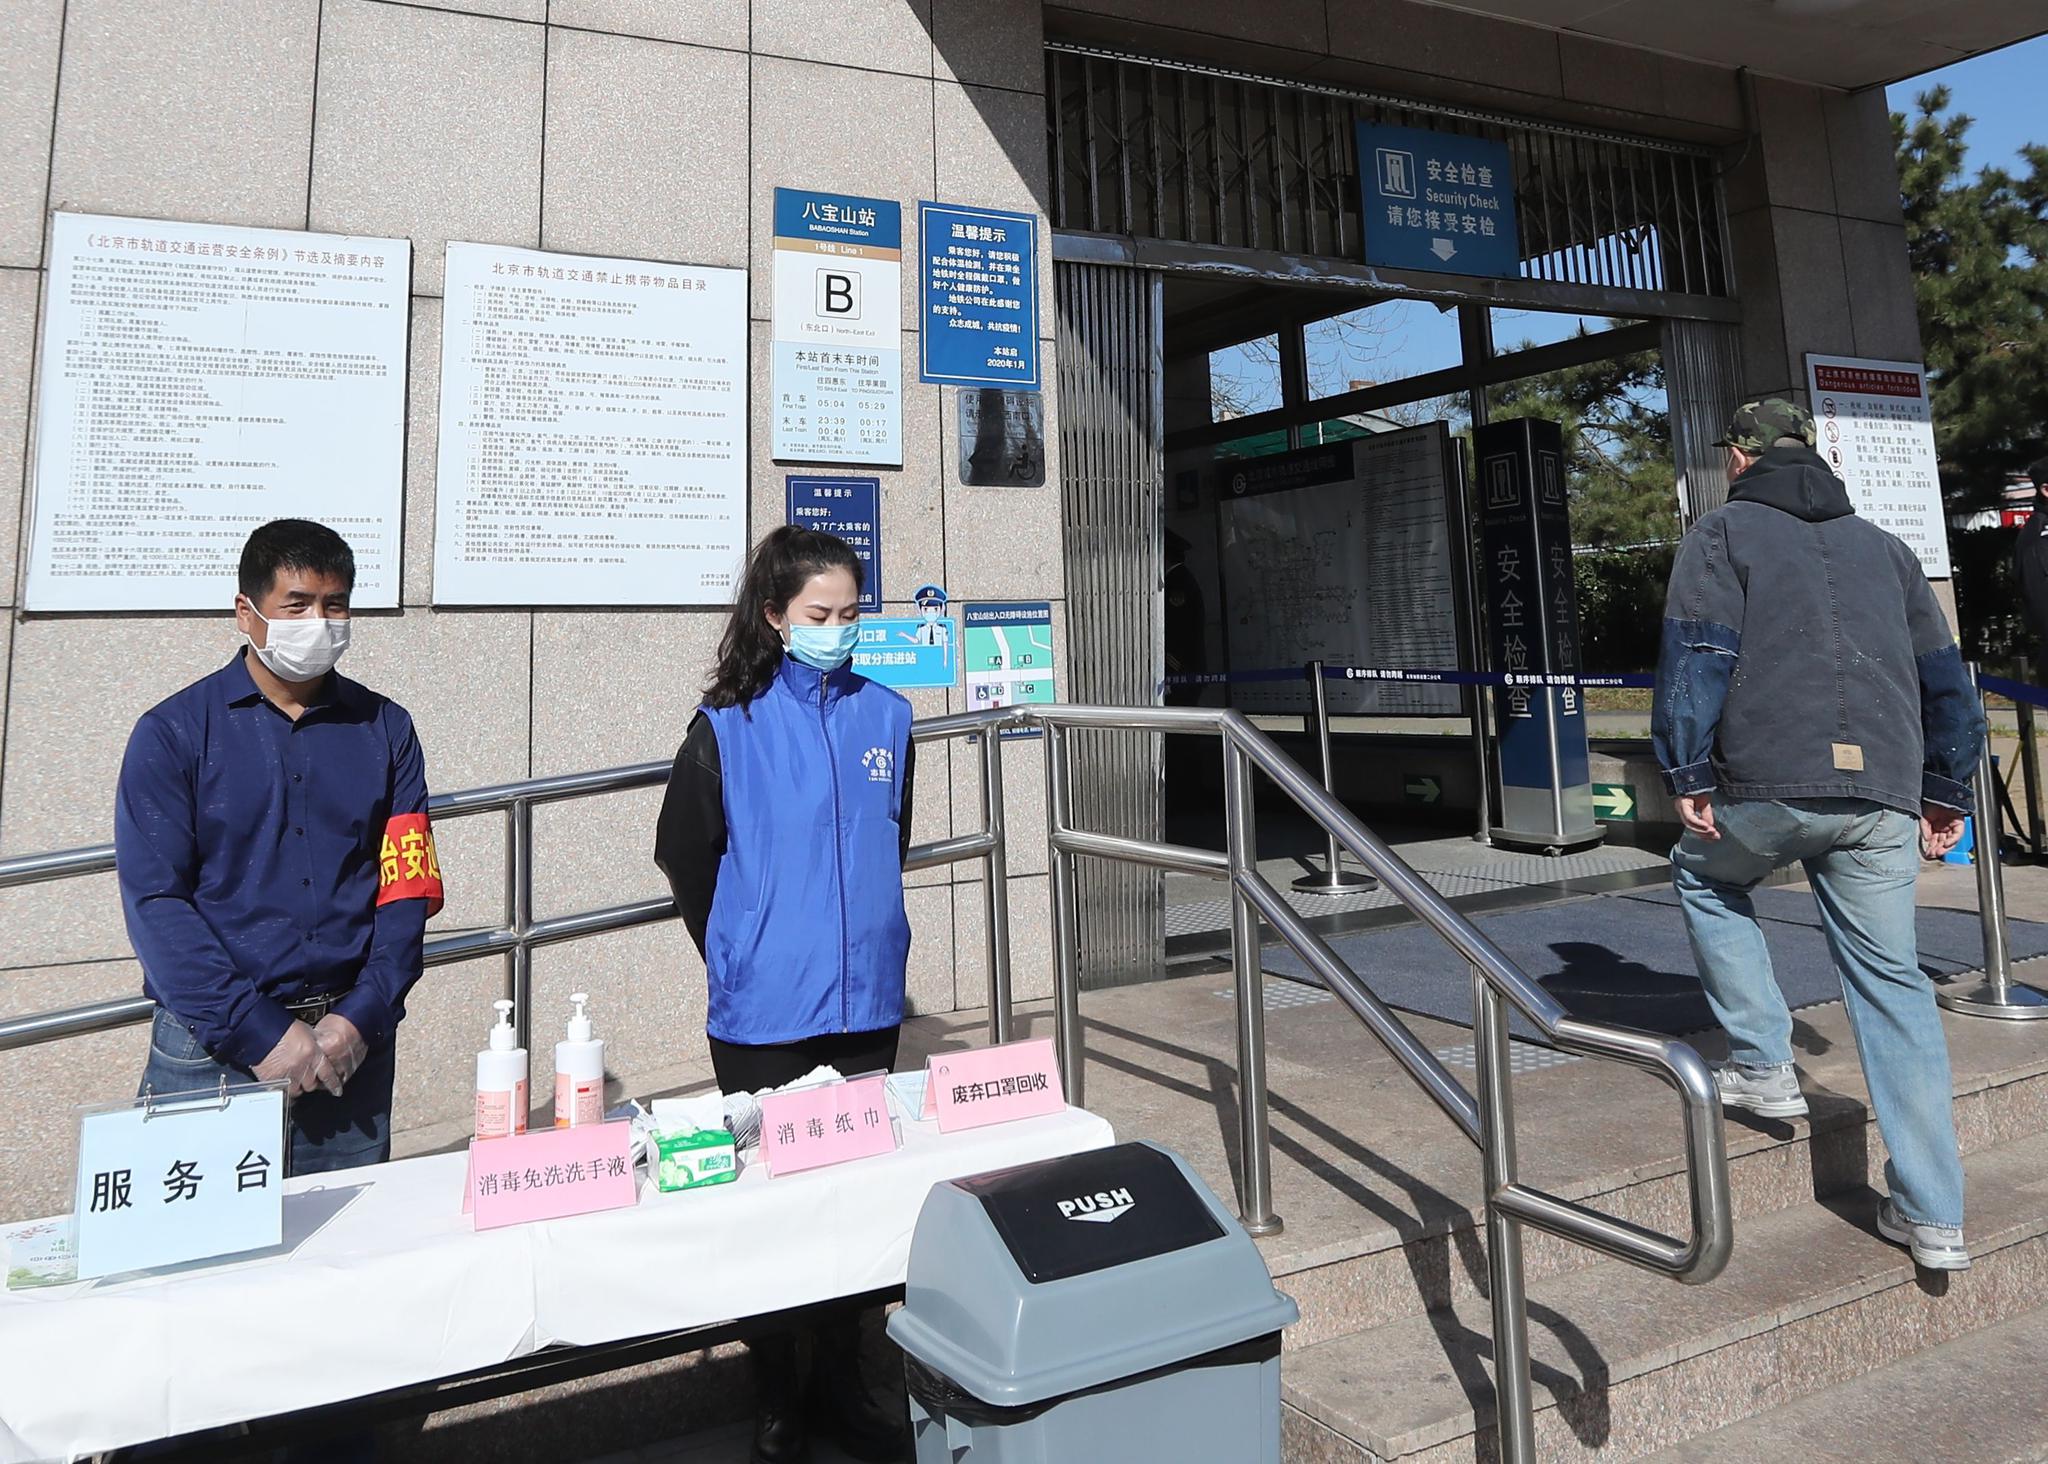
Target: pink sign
828, 1124
550, 1173
986, 1085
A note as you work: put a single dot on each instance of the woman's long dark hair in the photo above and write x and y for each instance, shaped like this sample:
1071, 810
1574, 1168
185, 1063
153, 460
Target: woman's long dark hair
750, 652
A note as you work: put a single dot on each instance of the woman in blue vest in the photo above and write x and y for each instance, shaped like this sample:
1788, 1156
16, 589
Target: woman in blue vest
783, 837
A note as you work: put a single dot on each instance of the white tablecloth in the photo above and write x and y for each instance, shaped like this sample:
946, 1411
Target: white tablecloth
397, 1289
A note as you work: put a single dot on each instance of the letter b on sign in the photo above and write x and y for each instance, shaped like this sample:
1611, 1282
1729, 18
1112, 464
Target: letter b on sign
838, 294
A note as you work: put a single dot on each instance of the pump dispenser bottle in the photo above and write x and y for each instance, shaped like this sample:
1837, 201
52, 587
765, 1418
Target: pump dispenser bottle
579, 1072
501, 1080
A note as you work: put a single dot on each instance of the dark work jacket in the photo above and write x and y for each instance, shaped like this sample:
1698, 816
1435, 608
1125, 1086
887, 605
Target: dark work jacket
1805, 656
783, 837
2030, 561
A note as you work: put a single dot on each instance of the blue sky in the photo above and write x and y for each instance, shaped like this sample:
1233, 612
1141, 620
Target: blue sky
2002, 91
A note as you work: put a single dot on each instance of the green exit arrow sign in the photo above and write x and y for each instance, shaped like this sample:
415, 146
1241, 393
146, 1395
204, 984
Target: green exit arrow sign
1421, 789
1614, 802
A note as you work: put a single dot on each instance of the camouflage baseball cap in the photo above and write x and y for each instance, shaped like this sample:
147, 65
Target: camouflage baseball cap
1756, 425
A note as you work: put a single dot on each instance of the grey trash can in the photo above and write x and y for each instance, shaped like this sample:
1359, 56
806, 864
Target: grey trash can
1100, 1307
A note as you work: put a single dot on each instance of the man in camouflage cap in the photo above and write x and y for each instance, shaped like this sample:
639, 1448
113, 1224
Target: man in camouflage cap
1759, 426
1812, 708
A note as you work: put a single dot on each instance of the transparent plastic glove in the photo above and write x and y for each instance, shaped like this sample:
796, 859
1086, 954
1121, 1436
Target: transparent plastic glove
344, 1045
298, 1062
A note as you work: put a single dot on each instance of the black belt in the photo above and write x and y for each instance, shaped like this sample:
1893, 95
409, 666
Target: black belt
310, 1009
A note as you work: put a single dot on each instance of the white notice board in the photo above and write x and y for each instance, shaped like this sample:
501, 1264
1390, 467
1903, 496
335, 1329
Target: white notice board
1342, 553
199, 380
593, 444
1877, 433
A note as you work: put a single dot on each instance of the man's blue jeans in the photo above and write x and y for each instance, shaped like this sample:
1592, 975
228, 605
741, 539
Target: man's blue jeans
1862, 860
327, 1133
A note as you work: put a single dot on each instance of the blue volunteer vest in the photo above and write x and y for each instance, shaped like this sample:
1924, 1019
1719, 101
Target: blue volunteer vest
807, 933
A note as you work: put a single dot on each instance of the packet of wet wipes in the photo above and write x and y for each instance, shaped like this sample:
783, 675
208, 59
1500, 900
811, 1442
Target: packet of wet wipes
695, 1159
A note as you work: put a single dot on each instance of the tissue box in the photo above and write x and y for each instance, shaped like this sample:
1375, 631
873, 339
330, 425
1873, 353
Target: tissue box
692, 1160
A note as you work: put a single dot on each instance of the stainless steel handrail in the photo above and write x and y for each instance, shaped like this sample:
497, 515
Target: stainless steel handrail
521, 934
1497, 985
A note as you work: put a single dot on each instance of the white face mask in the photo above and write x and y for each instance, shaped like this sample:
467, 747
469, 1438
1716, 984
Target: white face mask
300, 649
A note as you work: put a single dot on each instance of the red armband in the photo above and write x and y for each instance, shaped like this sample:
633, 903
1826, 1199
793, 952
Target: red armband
406, 866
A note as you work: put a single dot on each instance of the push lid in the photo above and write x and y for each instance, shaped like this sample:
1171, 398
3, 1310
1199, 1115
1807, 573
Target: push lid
1108, 1207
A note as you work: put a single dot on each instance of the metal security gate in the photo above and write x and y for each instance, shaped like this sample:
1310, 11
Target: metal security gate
1111, 476
1703, 381
1151, 149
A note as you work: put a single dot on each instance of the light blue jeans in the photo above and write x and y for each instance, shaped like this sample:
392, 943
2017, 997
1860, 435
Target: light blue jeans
1862, 860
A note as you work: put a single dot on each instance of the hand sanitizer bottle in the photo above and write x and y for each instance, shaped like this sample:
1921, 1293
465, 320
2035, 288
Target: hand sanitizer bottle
579, 1072
501, 1081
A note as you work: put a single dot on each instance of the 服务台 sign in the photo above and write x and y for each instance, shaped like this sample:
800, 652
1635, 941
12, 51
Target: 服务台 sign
180, 1177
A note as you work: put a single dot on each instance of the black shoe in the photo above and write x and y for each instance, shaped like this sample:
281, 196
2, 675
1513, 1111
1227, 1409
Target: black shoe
844, 1410
780, 1437
780, 1432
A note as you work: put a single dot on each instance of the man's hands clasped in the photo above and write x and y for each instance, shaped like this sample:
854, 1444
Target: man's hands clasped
299, 1063
1940, 828
321, 1057
346, 1051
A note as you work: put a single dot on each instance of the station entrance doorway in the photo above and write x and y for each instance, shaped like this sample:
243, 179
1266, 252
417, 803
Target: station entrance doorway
1267, 456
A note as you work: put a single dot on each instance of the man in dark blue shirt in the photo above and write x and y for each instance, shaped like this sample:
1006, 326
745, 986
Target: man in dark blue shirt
276, 864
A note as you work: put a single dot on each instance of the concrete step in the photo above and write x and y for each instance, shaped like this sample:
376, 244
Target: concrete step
1627, 1362
1404, 1267
1976, 1400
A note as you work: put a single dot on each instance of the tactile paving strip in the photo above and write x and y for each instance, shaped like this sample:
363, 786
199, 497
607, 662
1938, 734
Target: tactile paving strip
1204, 916
1280, 995
1523, 1057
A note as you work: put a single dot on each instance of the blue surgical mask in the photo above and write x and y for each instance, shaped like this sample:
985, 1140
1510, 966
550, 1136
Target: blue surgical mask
823, 647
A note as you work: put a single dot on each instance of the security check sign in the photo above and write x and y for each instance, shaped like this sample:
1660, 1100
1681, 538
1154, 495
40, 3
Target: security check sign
1438, 201
186, 1177
838, 331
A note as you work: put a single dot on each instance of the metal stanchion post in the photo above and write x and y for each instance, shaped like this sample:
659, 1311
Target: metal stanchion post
2030, 774
1255, 1155
1335, 879
1066, 938
519, 903
1997, 995
1514, 1398
995, 892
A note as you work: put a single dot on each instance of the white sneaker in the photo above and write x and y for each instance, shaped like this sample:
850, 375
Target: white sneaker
1937, 1247
1766, 1092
